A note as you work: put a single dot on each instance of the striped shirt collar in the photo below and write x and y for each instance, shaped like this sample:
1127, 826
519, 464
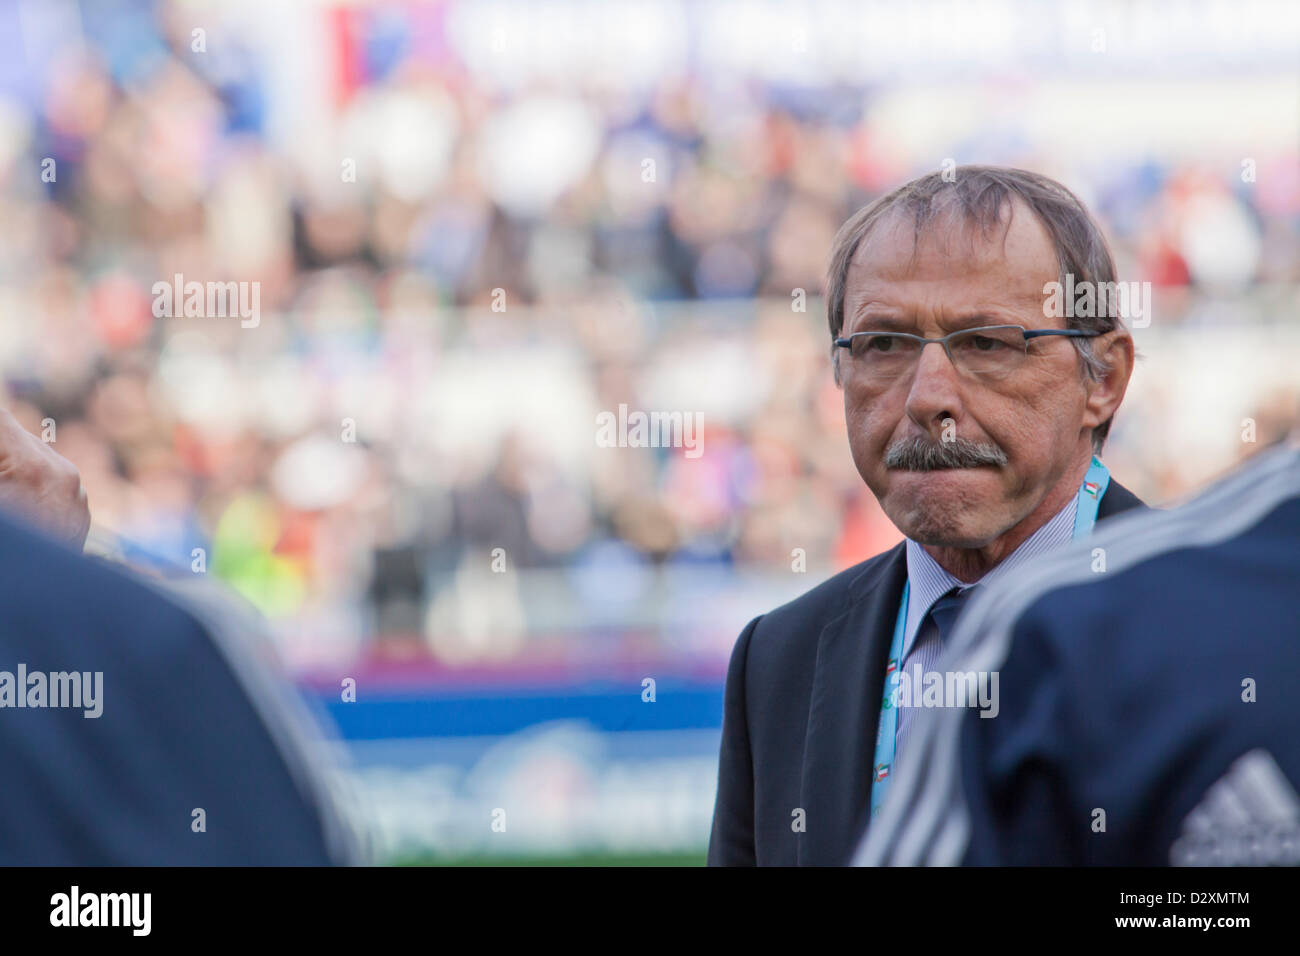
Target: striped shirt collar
928, 581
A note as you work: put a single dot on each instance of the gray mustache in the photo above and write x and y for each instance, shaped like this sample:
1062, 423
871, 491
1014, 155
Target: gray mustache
921, 454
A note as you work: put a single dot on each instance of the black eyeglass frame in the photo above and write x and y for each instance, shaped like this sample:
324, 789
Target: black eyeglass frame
847, 342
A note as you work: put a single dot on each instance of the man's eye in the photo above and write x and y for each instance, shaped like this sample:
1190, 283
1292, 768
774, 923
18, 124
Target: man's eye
880, 343
983, 343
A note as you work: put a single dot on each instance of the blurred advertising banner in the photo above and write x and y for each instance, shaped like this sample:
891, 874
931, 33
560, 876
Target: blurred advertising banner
542, 768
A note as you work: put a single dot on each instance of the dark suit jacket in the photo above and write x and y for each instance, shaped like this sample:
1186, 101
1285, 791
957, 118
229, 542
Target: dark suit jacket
188, 718
801, 707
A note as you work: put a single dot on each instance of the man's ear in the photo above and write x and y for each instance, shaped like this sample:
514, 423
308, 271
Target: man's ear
1115, 351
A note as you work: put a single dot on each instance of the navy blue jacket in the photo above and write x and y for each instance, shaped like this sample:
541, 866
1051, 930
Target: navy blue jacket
802, 703
187, 720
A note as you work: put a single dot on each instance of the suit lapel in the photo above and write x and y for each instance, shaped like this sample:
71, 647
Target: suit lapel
844, 712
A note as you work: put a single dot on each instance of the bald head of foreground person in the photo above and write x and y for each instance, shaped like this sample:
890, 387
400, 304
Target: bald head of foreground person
40, 486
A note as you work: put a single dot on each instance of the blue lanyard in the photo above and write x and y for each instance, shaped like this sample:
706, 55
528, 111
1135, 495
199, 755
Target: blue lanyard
1085, 516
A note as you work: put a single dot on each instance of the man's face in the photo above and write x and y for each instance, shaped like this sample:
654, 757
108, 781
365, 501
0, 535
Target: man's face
959, 279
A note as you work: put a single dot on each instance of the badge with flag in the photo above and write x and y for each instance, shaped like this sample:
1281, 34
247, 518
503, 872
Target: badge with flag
1090, 487
882, 771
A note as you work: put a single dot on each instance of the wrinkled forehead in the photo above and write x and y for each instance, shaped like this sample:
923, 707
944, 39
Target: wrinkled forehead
1014, 254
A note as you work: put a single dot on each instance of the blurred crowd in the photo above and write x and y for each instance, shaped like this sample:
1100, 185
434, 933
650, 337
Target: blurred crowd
453, 282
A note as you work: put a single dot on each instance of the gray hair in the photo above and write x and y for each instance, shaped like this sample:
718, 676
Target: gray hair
980, 195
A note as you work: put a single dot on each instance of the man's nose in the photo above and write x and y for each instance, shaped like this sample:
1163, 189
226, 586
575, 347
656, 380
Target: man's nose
935, 394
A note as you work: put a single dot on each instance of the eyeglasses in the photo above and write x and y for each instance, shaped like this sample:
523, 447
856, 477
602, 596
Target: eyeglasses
990, 351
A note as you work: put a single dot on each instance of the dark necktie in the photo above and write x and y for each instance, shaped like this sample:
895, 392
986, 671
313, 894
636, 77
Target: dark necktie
932, 637
945, 610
